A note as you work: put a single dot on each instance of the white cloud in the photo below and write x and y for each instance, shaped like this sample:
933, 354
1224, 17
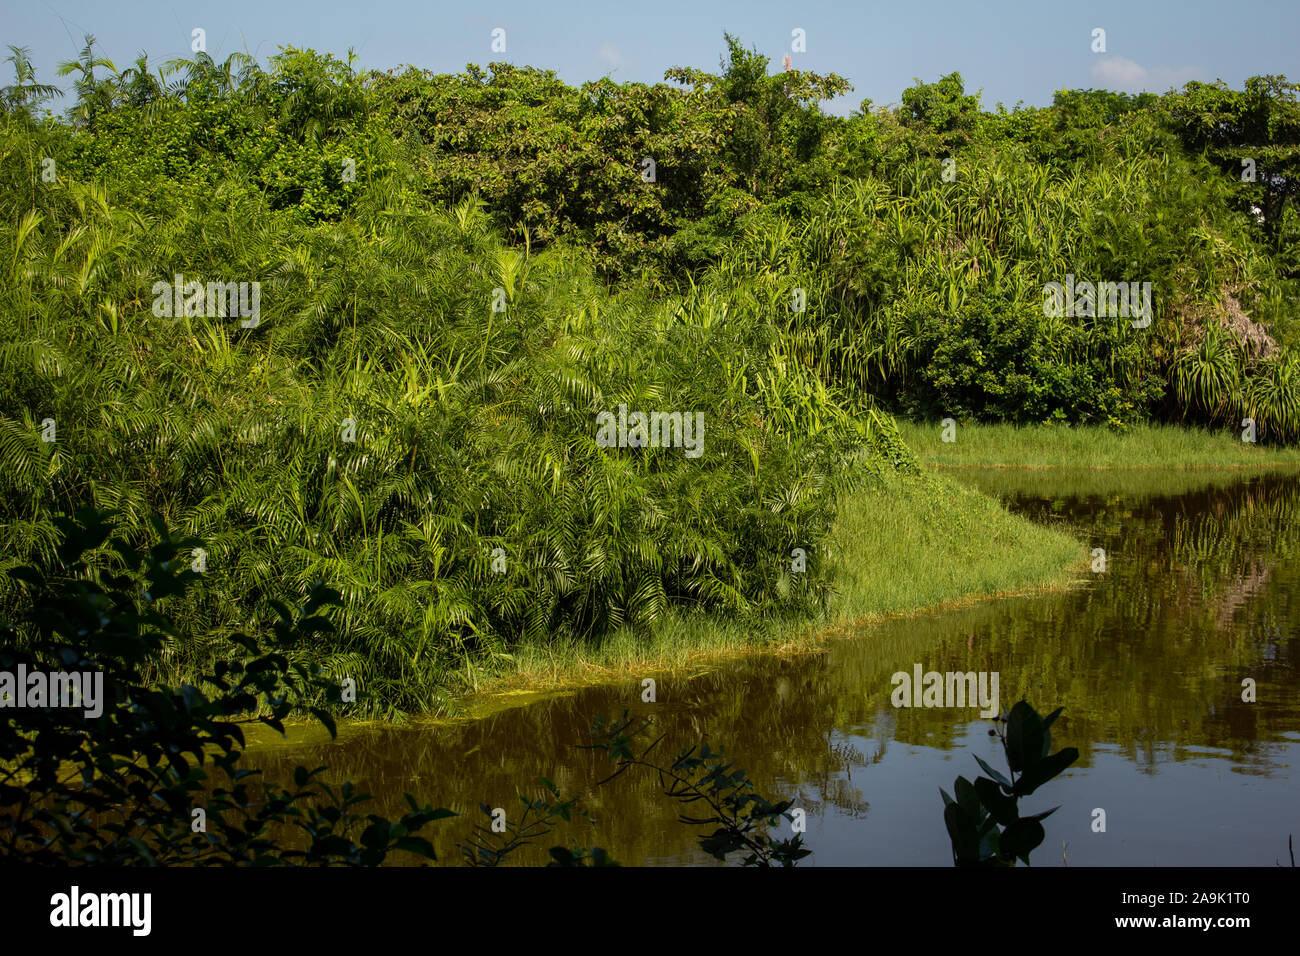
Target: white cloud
609, 55
1118, 72
1121, 73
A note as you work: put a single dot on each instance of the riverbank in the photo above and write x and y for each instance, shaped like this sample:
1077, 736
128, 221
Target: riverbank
909, 545
1205, 583
1058, 446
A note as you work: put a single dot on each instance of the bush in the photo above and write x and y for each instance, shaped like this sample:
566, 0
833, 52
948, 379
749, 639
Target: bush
128, 786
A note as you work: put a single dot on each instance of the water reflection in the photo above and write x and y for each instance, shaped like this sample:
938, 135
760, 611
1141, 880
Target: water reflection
1148, 660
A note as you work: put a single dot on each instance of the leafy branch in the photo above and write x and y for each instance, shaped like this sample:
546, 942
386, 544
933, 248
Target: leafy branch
984, 820
697, 776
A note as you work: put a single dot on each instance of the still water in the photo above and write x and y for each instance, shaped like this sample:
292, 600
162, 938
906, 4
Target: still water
1201, 591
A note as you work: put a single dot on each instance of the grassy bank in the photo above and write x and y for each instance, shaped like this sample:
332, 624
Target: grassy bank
1134, 484
1141, 446
907, 545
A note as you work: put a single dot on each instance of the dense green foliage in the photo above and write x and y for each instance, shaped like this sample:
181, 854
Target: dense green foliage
412, 416
153, 777
459, 273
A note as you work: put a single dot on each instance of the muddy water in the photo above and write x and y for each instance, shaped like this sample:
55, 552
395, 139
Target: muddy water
1201, 592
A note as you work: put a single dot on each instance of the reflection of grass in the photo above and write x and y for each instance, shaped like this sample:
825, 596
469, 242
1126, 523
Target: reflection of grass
1146, 446
913, 544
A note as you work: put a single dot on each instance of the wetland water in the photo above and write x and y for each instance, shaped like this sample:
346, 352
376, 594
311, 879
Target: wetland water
1201, 590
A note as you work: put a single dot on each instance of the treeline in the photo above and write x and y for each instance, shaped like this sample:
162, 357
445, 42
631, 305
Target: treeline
456, 274
920, 237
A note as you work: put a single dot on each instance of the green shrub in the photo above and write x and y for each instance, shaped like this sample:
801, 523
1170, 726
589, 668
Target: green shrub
131, 784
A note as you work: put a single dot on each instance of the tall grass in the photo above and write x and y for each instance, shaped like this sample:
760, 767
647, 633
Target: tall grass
1055, 446
911, 542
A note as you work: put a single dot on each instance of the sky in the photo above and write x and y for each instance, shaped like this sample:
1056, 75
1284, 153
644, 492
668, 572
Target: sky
1010, 51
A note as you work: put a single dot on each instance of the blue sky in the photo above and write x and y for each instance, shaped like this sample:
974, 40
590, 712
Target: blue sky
1012, 51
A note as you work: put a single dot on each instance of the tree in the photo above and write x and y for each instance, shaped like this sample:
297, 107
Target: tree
24, 94
1256, 128
94, 96
943, 109
773, 122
